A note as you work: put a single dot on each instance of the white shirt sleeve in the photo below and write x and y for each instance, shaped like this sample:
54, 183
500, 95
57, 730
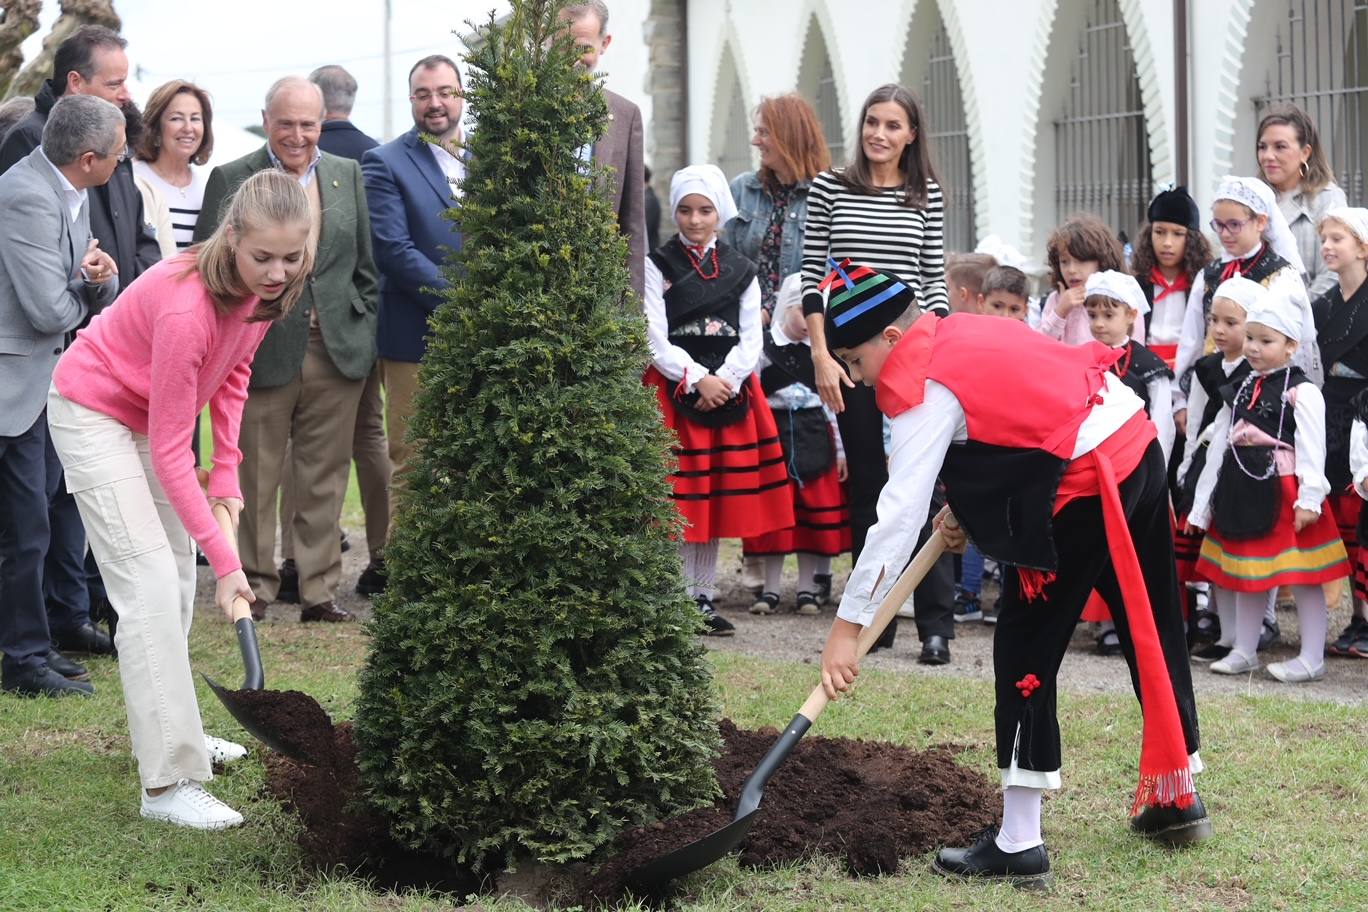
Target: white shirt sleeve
1358, 457
1160, 396
671, 360
1196, 405
921, 437
741, 360
1191, 340
1206, 484
1308, 407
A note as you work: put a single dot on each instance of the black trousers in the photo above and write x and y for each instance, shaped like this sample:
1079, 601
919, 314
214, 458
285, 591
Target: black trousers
24, 532
1031, 637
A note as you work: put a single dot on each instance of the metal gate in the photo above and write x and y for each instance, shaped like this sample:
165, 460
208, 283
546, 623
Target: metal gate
1102, 161
948, 133
1320, 64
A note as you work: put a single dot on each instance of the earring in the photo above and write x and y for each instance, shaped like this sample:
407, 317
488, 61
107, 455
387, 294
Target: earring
1304, 169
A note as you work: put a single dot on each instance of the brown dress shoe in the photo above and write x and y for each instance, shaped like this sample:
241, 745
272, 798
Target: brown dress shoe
326, 611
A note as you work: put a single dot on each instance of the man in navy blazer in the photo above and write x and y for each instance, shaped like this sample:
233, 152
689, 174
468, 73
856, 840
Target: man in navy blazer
410, 183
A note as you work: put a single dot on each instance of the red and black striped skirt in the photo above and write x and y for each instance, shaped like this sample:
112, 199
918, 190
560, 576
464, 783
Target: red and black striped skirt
821, 514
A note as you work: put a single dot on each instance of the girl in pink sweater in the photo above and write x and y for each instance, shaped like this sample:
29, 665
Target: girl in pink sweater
121, 412
1077, 249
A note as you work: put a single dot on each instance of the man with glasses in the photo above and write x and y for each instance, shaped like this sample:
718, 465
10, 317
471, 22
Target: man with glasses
52, 275
91, 62
410, 183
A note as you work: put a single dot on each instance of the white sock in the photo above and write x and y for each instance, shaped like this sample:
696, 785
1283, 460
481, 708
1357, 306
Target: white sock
1020, 828
1249, 617
809, 565
700, 568
774, 572
1224, 600
1314, 620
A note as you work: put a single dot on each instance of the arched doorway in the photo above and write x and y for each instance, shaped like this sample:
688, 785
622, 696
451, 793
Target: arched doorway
817, 83
730, 135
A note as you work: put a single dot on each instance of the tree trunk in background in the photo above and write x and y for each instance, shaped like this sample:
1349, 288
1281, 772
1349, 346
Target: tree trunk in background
18, 20
75, 13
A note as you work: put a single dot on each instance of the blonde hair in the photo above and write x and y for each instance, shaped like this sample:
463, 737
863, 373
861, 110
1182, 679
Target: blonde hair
266, 198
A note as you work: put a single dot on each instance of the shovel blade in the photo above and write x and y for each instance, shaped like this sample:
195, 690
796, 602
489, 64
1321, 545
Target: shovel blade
248, 714
698, 854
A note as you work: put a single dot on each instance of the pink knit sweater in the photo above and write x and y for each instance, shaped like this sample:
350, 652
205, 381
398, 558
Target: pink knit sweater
152, 361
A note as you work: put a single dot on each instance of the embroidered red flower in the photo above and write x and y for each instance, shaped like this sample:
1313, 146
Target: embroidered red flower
1028, 685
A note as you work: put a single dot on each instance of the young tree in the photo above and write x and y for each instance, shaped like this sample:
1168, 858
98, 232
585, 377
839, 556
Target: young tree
535, 683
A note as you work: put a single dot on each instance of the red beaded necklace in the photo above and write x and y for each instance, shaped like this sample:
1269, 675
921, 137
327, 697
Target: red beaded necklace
1123, 363
697, 262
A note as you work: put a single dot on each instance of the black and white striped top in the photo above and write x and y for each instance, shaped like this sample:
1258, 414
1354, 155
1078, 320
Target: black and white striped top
183, 202
877, 231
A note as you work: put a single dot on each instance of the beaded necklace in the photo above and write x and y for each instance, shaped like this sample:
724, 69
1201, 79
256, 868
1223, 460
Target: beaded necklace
697, 262
1258, 380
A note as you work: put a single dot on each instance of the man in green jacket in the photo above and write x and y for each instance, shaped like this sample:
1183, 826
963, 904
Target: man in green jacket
311, 369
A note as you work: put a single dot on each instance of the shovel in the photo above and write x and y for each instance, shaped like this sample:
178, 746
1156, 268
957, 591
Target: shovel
700, 853
254, 677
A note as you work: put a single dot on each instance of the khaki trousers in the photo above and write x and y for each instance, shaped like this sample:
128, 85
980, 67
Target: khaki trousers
370, 452
401, 386
312, 418
148, 564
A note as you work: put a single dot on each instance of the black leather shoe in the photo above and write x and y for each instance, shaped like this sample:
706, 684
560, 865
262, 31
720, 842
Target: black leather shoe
343, 541
885, 640
935, 651
1029, 870
289, 583
43, 682
68, 669
1173, 826
1270, 634
373, 579
87, 639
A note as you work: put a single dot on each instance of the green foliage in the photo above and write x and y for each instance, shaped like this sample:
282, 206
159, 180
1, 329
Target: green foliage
535, 682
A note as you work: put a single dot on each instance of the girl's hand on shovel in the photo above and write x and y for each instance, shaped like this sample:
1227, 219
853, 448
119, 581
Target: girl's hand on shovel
232, 504
839, 665
230, 586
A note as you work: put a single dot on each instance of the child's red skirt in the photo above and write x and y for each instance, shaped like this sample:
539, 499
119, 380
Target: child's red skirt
1284, 557
730, 482
821, 525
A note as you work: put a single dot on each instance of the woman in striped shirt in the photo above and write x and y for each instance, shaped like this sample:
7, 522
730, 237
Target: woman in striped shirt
178, 139
885, 211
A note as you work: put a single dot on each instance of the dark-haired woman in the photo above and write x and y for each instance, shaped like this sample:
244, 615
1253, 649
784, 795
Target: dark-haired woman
883, 210
1292, 162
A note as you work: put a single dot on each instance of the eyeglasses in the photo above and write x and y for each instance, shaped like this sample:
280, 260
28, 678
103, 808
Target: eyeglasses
423, 96
1234, 226
121, 155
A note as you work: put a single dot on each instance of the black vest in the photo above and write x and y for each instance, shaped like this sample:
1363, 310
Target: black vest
690, 297
1212, 377
1266, 264
1267, 412
1144, 366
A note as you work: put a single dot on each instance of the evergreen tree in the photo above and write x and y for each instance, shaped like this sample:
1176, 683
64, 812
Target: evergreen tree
535, 683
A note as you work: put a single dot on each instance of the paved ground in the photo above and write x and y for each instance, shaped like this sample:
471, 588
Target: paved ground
795, 638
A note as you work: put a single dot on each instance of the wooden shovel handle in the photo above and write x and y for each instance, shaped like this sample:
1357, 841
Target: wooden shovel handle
908, 581
241, 607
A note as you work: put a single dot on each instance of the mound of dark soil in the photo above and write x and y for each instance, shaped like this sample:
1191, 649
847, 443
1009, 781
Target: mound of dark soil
867, 802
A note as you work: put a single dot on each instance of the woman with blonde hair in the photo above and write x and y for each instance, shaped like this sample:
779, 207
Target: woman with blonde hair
121, 410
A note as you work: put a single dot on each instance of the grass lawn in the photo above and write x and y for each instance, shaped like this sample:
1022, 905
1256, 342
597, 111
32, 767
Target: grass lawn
1287, 786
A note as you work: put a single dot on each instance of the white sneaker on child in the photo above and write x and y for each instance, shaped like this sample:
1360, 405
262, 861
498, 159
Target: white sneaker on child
187, 804
222, 751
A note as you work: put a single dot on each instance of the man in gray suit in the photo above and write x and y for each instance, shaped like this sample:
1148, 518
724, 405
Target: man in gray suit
619, 150
52, 273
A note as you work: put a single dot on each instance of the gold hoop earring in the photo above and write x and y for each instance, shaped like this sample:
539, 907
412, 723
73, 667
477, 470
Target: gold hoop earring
1304, 169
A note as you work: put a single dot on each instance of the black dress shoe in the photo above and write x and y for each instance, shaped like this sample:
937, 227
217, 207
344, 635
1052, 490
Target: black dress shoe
289, 583
68, 669
87, 639
1174, 826
935, 651
373, 579
885, 640
1029, 870
43, 682
343, 542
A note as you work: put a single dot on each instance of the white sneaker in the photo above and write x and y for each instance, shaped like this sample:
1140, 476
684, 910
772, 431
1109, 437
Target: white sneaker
187, 804
1234, 664
222, 751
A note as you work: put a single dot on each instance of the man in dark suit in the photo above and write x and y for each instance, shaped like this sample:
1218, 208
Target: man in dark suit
311, 368
91, 61
620, 149
340, 136
52, 274
410, 183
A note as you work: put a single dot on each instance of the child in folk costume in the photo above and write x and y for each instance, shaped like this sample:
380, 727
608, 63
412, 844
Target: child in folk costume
1261, 496
1354, 640
1342, 330
814, 457
1169, 252
1114, 302
1072, 450
703, 328
1233, 301
1077, 249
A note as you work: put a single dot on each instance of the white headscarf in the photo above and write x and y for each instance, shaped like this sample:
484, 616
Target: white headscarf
1352, 217
1258, 196
1245, 292
1278, 311
706, 180
1119, 287
790, 296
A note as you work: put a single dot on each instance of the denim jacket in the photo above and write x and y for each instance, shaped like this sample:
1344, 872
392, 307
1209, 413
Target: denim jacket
747, 229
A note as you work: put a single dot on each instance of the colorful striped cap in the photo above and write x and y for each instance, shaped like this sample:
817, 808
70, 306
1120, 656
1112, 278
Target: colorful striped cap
861, 302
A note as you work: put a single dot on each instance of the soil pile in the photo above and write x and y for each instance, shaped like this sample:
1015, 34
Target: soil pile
867, 802
293, 718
